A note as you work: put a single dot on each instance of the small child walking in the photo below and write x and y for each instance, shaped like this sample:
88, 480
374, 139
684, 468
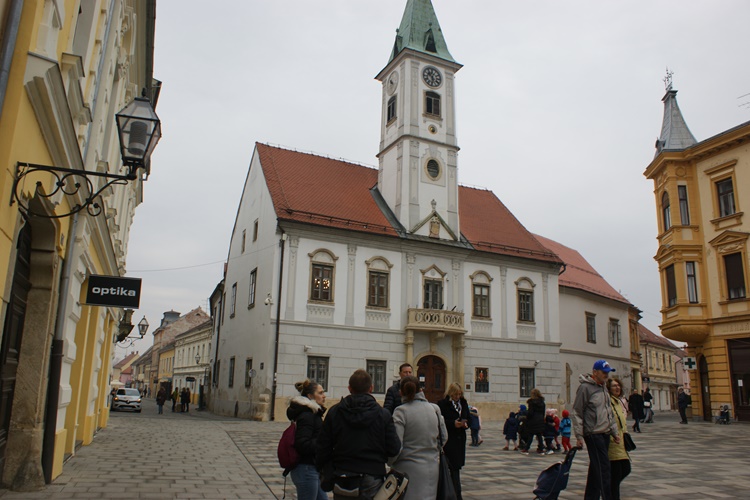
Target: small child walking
475, 424
565, 430
549, 433
510, 430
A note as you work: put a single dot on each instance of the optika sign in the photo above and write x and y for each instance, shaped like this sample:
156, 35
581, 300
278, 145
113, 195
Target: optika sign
113, 291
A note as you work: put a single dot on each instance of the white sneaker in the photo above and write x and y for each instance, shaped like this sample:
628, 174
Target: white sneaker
550, 452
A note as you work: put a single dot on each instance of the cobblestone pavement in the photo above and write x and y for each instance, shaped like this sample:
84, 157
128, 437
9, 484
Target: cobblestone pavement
200, 455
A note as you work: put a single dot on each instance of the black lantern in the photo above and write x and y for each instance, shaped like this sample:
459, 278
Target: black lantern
139, 130
143, 327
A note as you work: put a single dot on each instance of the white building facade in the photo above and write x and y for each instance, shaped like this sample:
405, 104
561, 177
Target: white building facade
334, 266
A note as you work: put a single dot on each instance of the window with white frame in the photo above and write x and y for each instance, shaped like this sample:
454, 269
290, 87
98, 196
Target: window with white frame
692, 282
230, 380
671, 286
526, 378
684, 207
322, 268
525, 296
233, 304
317, 370
377, 370
725, 192
735, 276
615, 335
378, 282
251, 295
665, 211
480, 284
591, 328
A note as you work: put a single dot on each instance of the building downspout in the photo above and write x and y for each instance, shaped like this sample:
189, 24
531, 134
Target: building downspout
278, 324
9, 45
58, 342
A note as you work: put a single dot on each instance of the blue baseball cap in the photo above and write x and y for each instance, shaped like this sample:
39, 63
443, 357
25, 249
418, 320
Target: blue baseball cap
603, 366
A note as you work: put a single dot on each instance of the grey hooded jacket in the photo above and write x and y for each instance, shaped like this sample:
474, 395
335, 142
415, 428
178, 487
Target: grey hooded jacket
592, 410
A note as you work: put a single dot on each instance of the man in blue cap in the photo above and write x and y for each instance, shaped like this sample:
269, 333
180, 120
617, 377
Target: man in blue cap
594, 423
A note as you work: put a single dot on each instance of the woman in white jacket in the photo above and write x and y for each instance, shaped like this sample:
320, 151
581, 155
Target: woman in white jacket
417, 423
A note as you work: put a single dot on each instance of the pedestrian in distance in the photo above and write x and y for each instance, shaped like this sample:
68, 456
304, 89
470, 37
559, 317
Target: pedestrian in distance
357, 437
510, 431
418, 423
635, 405
683, 401
522, 437
175, 397
183, 399
187, 399
393, 395
594, 423
475, 425
161, 397
306, 411
648, 404
535, 422
556, 419
619, 460
455, 411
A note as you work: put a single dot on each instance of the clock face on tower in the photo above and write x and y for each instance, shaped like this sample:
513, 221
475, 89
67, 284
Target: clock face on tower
392, 83
432, 76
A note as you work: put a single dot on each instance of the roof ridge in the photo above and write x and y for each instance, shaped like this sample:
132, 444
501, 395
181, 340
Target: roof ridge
320, 155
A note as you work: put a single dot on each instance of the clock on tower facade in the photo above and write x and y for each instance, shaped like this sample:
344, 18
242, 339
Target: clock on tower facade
418, 150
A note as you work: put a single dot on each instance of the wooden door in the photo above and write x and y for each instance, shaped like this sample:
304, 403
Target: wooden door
12, 335
431, 374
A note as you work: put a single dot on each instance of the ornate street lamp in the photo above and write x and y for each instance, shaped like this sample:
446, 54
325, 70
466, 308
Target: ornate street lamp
139, 130
126, 326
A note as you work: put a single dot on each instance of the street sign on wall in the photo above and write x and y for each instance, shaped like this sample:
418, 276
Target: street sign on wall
113, 291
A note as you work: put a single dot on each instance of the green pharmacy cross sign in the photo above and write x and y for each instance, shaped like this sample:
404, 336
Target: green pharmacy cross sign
689, 363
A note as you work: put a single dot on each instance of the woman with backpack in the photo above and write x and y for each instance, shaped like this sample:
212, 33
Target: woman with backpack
306, 411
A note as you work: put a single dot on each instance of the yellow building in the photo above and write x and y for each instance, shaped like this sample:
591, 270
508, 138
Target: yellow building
701, 190
166, 367
69, 67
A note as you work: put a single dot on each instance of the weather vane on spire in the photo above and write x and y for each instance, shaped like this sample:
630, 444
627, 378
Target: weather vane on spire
668, 80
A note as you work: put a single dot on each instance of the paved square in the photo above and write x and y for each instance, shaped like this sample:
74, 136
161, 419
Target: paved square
199, 455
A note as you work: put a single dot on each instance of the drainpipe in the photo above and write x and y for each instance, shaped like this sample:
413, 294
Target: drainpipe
278, 322
58, 342
9, 45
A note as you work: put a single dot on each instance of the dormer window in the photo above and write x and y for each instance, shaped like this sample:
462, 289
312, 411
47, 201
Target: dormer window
430, 43
432, 103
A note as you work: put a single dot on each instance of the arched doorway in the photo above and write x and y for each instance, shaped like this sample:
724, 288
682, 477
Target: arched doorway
12, 335
431, 374
705, 390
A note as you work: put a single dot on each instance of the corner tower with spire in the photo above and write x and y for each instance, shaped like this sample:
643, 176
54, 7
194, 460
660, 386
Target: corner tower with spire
418, 150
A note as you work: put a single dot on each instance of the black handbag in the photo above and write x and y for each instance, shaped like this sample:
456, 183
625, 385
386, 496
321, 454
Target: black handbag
446, 490
627, 439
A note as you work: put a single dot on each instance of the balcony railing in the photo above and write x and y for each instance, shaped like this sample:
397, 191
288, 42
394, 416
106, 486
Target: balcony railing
436, 320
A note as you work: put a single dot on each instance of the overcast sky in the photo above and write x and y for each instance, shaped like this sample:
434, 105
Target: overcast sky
558, 108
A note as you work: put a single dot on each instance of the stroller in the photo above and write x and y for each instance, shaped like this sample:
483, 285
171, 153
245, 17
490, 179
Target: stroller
723, 417
554, 479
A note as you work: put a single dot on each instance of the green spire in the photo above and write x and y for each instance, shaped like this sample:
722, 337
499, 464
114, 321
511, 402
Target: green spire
420, 31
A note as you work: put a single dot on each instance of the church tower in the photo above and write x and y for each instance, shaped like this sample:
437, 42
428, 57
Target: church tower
418, 149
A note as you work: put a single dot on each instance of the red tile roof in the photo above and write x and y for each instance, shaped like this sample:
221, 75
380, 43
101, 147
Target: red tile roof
125, 360
648, 337
579, 273
333, 193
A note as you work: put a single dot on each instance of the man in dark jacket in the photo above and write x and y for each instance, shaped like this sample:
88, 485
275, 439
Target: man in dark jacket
635, 405
683, 400
357, 437
393, 396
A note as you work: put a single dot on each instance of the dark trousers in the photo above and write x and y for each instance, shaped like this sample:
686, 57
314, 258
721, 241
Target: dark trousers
456, 477
683, 415
475, 436
599, 480
636, 423
620, 470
